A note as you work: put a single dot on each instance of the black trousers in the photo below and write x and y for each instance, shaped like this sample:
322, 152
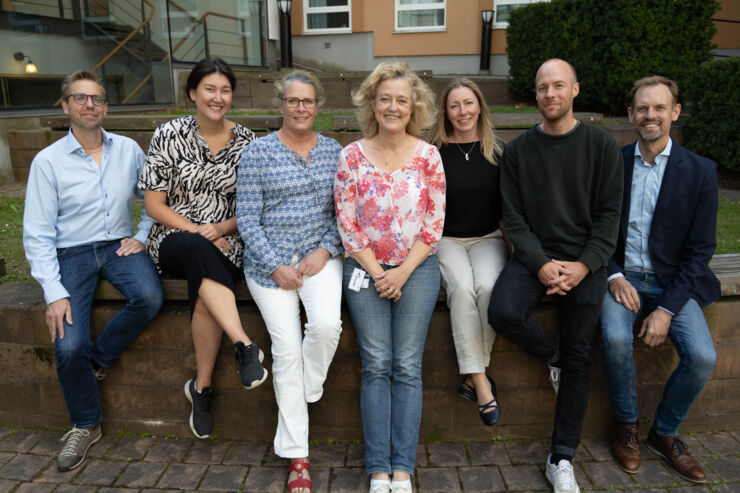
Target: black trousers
515, 295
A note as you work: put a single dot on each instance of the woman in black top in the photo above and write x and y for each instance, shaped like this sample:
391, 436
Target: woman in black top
473, 249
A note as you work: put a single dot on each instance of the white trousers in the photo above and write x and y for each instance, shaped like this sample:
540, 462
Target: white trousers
300, 361
470, 267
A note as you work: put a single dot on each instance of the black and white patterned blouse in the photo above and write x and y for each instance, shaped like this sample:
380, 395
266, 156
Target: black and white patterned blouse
199, 186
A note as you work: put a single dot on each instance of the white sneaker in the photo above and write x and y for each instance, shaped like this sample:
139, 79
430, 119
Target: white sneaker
554, 378
401, 486
380, 486
561, 476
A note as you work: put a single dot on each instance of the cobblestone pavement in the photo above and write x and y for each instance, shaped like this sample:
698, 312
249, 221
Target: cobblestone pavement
134, 464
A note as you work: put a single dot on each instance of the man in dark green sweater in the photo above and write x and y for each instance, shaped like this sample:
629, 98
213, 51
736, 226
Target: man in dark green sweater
561, 183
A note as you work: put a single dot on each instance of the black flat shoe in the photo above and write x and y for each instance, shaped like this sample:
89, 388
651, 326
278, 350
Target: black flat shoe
490, 412
467, 391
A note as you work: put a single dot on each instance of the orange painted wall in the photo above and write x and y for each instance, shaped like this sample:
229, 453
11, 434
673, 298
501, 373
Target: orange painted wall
728, 34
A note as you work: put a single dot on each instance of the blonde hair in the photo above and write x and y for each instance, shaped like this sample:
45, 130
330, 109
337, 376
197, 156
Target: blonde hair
298, 76
80, 75
655, 80
422, 99
440, 132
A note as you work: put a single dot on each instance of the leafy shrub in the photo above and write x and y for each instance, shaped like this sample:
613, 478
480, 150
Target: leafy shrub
610, 43
713, 95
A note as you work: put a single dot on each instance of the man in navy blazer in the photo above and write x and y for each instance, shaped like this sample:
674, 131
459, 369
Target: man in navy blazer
661, 266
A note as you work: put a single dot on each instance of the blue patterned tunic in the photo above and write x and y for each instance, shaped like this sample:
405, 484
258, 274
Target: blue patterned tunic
284, 205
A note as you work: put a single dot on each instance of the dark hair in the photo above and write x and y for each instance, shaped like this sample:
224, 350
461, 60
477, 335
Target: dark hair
209, 66
80, 75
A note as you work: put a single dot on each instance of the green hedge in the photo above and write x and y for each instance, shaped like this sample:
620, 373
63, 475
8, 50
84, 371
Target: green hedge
713, 93
610, 43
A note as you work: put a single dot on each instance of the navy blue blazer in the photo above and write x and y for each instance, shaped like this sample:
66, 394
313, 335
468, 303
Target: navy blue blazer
683, 231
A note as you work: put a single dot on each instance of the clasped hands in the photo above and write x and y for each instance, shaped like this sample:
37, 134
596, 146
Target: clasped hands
288, 277
560, 276
389, 282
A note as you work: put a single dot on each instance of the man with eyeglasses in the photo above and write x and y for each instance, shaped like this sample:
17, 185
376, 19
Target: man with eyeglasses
76, 228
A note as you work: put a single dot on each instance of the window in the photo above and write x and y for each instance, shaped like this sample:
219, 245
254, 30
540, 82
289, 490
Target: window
503, 10
420, 15
327, 16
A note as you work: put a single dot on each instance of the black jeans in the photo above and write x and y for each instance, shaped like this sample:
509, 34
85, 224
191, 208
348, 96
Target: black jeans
515, 295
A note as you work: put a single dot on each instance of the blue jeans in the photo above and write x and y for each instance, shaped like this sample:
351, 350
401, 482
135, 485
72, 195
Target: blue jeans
690, 336
391, 337
135, 277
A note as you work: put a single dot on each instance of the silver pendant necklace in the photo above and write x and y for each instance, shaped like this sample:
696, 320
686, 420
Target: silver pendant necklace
466, 154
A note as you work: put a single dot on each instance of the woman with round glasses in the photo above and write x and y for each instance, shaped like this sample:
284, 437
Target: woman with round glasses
472, 251
390, 199
190, 183
285, 214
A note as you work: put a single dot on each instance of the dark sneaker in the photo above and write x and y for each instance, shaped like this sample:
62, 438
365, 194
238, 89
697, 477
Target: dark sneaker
76, 442
201, 415
249, 364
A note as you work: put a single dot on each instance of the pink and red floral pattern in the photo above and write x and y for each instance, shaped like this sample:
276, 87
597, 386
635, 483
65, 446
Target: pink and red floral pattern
387, 212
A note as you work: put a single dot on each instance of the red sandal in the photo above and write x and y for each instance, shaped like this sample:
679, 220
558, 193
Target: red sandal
298, 466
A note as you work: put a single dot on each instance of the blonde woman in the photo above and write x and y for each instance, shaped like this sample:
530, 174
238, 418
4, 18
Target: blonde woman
390, 200
472, 251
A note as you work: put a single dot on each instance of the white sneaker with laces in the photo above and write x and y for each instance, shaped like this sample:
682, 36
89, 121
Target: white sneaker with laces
554, 378
380, 486
401, 486
561, 476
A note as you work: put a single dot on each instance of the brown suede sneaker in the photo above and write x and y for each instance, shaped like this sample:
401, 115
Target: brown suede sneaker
626, 447
676, 455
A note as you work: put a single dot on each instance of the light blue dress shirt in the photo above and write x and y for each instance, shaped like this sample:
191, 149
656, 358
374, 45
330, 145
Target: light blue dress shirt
71, 201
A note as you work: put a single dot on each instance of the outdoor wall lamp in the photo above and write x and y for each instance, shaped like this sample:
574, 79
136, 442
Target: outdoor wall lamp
286, 44
485, 40
30, 66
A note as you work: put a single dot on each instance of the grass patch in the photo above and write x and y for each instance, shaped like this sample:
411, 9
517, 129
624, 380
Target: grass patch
728, 226
518, 108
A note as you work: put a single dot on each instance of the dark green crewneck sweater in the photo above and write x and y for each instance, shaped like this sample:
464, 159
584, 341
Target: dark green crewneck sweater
562, 196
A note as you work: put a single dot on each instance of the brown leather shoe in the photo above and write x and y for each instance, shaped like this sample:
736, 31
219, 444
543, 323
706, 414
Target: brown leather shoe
676, 455
626, 447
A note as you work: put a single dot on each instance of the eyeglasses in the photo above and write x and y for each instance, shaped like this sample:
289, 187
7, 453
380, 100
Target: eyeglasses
82, 99
308, 103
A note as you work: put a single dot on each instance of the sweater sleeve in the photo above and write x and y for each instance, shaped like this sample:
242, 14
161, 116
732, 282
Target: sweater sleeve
605, 226
527, 247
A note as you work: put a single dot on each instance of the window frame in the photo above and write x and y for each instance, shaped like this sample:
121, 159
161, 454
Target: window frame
423, 6
496, 3
326, 10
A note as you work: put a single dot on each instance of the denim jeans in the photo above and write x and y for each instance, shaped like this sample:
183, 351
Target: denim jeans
391, 337
135, 277
515, 295
690, 336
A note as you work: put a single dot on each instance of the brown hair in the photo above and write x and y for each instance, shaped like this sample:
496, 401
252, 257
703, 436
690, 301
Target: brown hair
80, 75
440, 132
422, 99
654, 80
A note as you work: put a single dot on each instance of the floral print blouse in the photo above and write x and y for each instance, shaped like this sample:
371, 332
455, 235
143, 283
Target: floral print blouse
387, 212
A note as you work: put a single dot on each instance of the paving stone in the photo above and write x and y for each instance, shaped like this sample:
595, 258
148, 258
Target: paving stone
320, 479
99, 450
246, 453
695, 489
599, 448
184, 476
349, 480
5, 457
34, 488
207, 452
447, 454
607, 474
23, 467
696, 448
327, 455
168, 450
100, 472
5, 432
438, 480
421, 456
654, 473
74, 488
525, 477
719, 443
356, 455
20, 441
526, 452
141, 474
481, 479
223, 478
581, 478
266, 479
52, 475
727, 467
130, 448
120, 490
488, 453
6, 485
725, 488
273, 460
49, 444
648, 490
